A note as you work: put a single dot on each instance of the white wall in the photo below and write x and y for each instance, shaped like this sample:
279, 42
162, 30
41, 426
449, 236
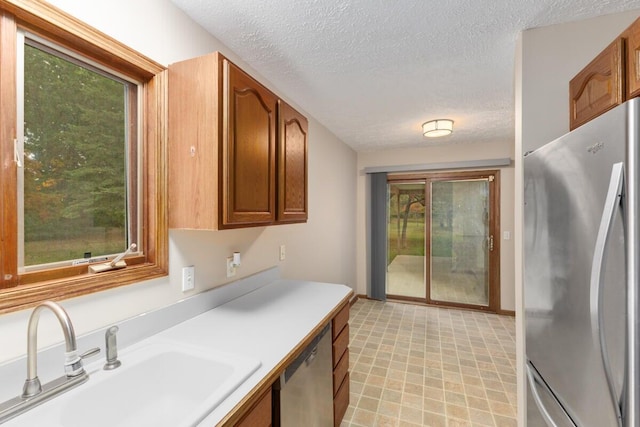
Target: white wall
440, 154
323, 249
546, 60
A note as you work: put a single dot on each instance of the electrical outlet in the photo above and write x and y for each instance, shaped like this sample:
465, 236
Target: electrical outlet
231, 269
188, 278
282, 253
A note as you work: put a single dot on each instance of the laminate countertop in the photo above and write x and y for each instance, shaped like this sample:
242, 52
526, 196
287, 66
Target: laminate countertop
269, 324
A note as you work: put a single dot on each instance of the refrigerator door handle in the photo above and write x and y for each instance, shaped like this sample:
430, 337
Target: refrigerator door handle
534, 378
613, 201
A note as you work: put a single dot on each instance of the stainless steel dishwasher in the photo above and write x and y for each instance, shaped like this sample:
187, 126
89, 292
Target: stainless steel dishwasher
304, 393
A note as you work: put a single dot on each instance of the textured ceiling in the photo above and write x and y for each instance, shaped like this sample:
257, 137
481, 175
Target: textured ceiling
372, 71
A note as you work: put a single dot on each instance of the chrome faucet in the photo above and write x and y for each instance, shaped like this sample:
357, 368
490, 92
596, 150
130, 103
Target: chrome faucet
73, 363
112, 349
33, 393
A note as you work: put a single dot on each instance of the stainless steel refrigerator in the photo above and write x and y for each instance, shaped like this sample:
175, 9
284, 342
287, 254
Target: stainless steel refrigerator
580, 274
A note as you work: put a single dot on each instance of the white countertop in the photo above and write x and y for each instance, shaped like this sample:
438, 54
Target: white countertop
266, 324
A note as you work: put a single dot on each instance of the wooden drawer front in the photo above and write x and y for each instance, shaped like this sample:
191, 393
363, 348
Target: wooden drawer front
340, 321
599, 86
260, 414
341, 402
632, 34
340, 371
340, 345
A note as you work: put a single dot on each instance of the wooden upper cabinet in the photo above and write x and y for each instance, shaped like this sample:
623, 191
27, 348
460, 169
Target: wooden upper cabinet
195, 126
599, 86
237, 154
292, 164
248, 151
632, 37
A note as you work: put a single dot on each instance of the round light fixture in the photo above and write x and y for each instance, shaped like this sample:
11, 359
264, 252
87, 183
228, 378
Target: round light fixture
436, 128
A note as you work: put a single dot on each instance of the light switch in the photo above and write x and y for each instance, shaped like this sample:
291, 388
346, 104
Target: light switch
506, 235
282, 253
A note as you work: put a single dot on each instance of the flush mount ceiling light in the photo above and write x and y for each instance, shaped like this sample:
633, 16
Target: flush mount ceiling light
436, 128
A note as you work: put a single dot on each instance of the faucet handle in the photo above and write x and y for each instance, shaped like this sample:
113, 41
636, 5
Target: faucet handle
90, 353
73, 362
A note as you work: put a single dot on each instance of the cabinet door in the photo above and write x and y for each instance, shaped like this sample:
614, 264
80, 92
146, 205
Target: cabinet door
292, 164
247, 193
632, 35
599, 86
260, 415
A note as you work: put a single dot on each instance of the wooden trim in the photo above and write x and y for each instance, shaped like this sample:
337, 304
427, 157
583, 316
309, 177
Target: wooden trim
63, 28
495, 289
8, 173
511, 313
254, 395
52, 284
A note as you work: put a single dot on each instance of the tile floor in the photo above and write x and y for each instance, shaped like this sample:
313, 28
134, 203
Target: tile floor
413, 365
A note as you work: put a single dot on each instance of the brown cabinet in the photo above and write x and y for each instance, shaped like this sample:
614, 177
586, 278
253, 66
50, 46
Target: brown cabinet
292, 164
340, 335
599, 86
248, 186
260, 415
632, 37
237, 154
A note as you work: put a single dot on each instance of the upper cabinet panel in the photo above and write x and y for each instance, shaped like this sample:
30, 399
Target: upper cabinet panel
632, 36
292, 164
599, 86
195, 117
248, 191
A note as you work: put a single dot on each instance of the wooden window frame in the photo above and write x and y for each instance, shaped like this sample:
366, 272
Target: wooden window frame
20, 291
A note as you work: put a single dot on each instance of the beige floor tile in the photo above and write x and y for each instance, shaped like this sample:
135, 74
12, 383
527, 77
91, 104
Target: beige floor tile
481, 418
425, 366
456, 411
389, 409
411, 415
434, 420
386, 421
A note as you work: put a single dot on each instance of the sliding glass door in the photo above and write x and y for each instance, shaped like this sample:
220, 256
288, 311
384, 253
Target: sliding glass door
460, 241
440, 232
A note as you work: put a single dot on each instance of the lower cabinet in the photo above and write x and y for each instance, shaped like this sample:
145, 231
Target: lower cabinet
340, 333
260, 415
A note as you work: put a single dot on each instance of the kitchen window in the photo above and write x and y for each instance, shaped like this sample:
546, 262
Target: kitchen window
82, 143
77, 159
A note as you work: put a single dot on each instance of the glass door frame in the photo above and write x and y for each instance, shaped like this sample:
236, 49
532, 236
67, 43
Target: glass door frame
493, 241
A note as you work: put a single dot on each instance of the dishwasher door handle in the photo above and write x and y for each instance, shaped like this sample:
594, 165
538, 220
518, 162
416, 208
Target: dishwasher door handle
309, 360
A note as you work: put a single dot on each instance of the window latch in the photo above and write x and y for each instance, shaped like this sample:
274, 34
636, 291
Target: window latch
16, 153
